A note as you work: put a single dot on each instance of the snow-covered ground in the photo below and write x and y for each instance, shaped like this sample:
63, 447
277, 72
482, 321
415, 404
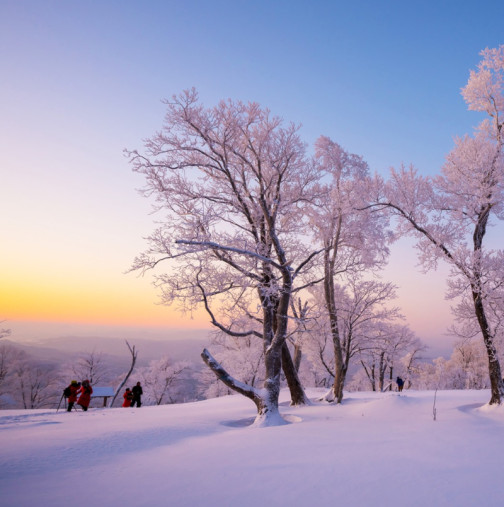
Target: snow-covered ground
374, 450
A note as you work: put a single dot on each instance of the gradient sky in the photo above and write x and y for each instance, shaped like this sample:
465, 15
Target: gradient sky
81, 81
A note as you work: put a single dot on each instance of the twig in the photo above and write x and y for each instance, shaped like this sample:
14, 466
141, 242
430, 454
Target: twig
434, 410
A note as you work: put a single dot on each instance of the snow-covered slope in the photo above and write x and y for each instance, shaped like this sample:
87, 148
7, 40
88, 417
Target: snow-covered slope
374, 450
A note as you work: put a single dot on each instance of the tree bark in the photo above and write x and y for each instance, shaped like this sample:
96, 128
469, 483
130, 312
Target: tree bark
381, 368
339, 376
298, 396
232, 383
298, 355
494, 369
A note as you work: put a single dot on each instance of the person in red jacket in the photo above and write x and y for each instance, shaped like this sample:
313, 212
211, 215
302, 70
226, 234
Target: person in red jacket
73, 390
85, 395
128, 397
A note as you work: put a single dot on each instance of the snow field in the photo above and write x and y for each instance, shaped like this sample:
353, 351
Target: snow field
380, 449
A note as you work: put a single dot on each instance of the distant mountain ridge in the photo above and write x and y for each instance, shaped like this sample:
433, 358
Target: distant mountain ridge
61, 348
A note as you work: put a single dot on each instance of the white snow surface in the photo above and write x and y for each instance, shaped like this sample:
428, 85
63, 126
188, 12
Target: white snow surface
376, 449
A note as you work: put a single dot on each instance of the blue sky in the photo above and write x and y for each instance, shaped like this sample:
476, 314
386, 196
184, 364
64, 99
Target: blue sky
83, 80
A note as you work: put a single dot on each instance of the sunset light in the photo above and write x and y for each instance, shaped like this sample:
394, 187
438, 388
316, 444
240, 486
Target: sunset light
251, 253
72, 218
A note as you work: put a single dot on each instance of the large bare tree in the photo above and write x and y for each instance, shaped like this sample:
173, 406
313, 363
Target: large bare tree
354, 241
450, 214
232, 182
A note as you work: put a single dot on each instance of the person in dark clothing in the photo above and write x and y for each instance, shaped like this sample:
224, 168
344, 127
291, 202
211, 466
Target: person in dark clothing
400, 383
137, 395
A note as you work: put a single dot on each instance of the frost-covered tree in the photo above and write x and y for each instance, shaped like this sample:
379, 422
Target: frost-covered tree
243, 354
450, 214
412, 361
469, 357
89, 365
363, 308
161, 378
386, 347
354, 241
466, 368
319, 350
35, 385
232, 182
466, 326
300, 311
209, 385
9, 357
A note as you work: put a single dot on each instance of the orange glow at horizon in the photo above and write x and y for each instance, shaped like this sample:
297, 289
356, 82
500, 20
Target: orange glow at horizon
73, 303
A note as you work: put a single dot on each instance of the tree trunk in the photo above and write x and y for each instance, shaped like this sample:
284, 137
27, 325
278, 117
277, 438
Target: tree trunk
494, 369
370, 373
266, 399
381, 380
298, 355
300, 317
339, 377
279, 328
274, 336
298, 396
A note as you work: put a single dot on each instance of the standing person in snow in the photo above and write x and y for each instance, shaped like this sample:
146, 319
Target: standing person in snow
128, 397
137, 395
72, 391
85, 398
400, 383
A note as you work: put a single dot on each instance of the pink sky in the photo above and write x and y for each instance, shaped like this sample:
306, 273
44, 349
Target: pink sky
81, 82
